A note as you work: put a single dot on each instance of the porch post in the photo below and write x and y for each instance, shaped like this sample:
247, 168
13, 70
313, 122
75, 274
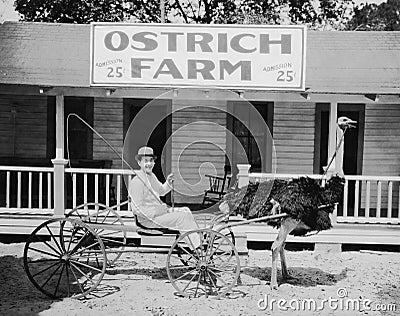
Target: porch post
332, 135
59, 162
243, 175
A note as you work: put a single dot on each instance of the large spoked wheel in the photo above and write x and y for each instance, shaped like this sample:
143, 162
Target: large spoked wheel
212, 269
64, 257
114, 239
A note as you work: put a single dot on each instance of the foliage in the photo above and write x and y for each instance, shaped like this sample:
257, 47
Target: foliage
316, 14
372, 17
207, 12
71, 11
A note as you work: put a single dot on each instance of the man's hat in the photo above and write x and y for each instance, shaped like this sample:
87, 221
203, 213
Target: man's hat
145, 152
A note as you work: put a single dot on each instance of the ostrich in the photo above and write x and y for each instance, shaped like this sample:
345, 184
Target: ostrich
304, 200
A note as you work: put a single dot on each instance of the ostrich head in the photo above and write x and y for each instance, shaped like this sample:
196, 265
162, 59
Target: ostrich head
344, 122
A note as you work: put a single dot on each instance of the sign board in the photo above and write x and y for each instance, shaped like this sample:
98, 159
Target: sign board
177, 55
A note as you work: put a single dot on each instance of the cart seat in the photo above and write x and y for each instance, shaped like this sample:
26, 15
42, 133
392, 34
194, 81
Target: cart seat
152, 231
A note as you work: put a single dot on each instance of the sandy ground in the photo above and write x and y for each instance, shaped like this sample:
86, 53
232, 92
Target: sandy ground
139, 286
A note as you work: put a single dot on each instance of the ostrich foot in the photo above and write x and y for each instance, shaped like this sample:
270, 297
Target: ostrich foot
288, 277
274, 286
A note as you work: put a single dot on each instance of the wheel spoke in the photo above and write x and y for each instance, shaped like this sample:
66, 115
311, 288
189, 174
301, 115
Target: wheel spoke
185, 274
75, 252
111, 240
188, 261
68, 284
221, 271
52, 248
78, 243
44, 252
49, 278
191, 243
219, 256
212, 281
190, 281
219, 278
77, 279
59, 280
197, 285
188, 253
47, 268
86, 266
83, 273
43, 260
71, 237
54, 238
216, 248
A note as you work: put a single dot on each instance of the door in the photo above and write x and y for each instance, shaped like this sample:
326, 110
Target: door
353, 143
151, 129
257, 146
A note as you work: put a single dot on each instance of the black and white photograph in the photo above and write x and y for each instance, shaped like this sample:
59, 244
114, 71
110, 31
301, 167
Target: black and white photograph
199, 157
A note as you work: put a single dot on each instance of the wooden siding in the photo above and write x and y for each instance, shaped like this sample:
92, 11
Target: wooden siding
108, 118
381, 149
330, 62
294, 132
198, 146
23, 126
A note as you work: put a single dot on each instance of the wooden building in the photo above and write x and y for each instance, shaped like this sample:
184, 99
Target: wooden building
44, 76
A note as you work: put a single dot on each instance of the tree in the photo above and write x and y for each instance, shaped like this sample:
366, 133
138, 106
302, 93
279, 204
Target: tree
372, 17
316, 14
185, 11
71, 11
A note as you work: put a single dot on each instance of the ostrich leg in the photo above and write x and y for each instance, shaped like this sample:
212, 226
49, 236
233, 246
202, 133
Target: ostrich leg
287, 225
285, 273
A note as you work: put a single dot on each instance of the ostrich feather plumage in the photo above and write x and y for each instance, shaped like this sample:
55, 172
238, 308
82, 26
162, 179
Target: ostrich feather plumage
303, 199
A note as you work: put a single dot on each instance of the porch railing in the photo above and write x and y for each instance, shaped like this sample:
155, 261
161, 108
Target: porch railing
96, 185
367, 199
31, 188
26, 188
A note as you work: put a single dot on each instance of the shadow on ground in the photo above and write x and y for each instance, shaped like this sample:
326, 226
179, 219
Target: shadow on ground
299, 276
17, 292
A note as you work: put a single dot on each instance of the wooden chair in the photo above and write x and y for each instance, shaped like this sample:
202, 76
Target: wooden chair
218, 187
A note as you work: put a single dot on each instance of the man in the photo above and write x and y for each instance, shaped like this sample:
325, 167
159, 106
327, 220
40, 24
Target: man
145, 191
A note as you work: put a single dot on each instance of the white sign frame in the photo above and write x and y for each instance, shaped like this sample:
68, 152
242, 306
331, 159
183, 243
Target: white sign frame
259, 57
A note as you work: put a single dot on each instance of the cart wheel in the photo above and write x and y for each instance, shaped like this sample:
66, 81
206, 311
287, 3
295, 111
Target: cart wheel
114, 240
64, 257
211, 269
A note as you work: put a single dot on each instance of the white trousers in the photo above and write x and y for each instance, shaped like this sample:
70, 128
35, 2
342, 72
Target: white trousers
181, 219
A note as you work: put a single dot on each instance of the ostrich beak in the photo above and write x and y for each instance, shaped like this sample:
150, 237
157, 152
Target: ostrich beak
345, 122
